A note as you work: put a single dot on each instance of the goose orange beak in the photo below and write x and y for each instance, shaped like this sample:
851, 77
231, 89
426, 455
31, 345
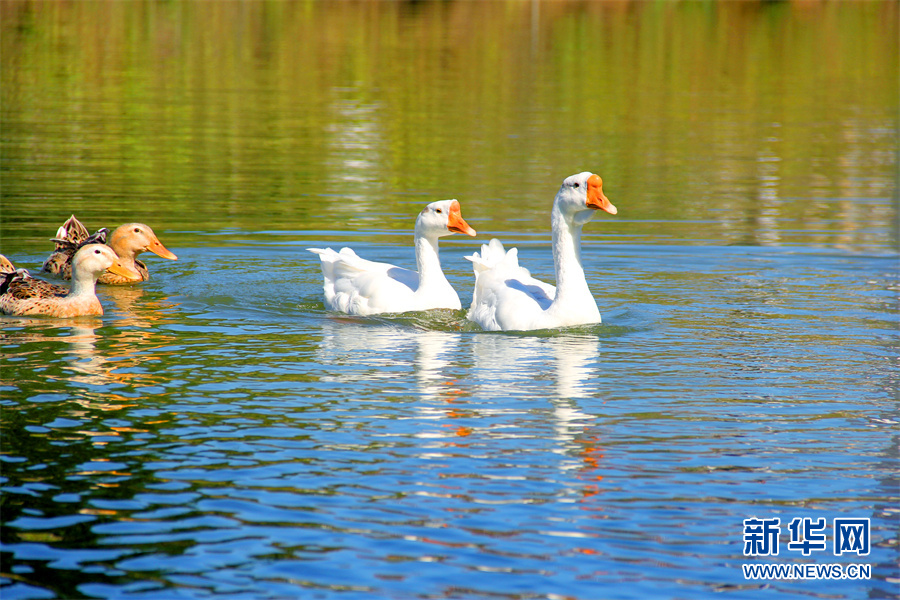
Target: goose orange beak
456, 223
596, 199
126, 272
158, 249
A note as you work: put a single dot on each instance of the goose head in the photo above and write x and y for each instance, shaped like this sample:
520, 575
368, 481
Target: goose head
133, 238
579, 196
97, 258
442, 218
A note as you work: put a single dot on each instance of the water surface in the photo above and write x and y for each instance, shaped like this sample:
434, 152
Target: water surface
218, 432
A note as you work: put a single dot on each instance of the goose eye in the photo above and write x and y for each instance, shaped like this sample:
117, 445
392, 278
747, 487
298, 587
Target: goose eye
137, 230
576, 184
438, 211
96, 251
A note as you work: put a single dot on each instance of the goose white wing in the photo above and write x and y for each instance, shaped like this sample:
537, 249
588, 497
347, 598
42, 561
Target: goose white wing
506, 296
358, 286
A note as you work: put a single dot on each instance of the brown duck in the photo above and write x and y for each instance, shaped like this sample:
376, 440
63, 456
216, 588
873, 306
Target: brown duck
127, 241
20, 294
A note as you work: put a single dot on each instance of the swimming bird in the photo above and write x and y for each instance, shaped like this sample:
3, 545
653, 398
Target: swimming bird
508, 298
127, 241
71, 236
361, 287
6, 266
20, 294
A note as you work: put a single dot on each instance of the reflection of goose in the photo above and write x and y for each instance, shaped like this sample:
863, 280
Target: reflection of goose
507, 297
363, 345
571, 361
361, 287
509, 365
574, 357
433, 364
517, 359
22, 295
368, 345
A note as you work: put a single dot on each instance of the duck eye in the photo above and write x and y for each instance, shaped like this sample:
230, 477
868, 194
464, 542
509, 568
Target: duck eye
576, 184
137, 230
96, 251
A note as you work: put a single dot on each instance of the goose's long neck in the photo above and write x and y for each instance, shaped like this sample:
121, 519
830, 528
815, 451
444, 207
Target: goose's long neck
427, 261
570, 281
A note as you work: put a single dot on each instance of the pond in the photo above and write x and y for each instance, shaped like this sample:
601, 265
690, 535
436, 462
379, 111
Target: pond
218, 432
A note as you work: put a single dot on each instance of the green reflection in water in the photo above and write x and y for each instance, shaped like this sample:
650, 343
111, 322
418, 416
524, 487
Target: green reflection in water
746, 123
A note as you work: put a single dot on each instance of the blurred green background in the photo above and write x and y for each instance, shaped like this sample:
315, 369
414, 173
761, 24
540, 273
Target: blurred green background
710, 122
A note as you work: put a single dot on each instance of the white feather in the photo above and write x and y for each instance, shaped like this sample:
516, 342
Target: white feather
358, 286
508, 298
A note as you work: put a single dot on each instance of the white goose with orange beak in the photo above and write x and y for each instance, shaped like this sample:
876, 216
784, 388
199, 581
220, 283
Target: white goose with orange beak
361, 287
508, 298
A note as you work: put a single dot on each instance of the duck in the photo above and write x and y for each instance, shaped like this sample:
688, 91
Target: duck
20, 294
357, 286
508, 298
127, 241
70, 236
6, 266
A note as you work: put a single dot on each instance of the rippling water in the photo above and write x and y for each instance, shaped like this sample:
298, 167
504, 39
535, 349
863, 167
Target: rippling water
219, 433
196, 440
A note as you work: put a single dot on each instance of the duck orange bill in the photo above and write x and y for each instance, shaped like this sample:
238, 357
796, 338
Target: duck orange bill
126, 272
456, 223
157, 248
596, 199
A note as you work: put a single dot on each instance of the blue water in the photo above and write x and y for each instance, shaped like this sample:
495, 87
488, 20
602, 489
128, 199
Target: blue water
219, 433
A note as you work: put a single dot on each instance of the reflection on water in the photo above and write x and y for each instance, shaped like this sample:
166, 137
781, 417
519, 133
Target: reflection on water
570, 360
221, 444
388, 101
356, 342
356, 147
509, 360
88, 366
218, 433
436, 376
509, 367
99, 360
513, 365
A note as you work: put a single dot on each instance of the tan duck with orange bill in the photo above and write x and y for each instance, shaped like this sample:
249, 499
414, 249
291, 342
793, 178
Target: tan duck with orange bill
20, 294
128, 241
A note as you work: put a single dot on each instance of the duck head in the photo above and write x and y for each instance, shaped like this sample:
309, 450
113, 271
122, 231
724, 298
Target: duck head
97, 258
132, 239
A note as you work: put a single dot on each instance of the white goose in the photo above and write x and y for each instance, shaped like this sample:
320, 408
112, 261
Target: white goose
508, 298
361, 287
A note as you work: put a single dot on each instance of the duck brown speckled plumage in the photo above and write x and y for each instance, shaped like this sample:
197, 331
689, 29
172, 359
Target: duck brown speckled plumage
71, 236
127, 241
20, 294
